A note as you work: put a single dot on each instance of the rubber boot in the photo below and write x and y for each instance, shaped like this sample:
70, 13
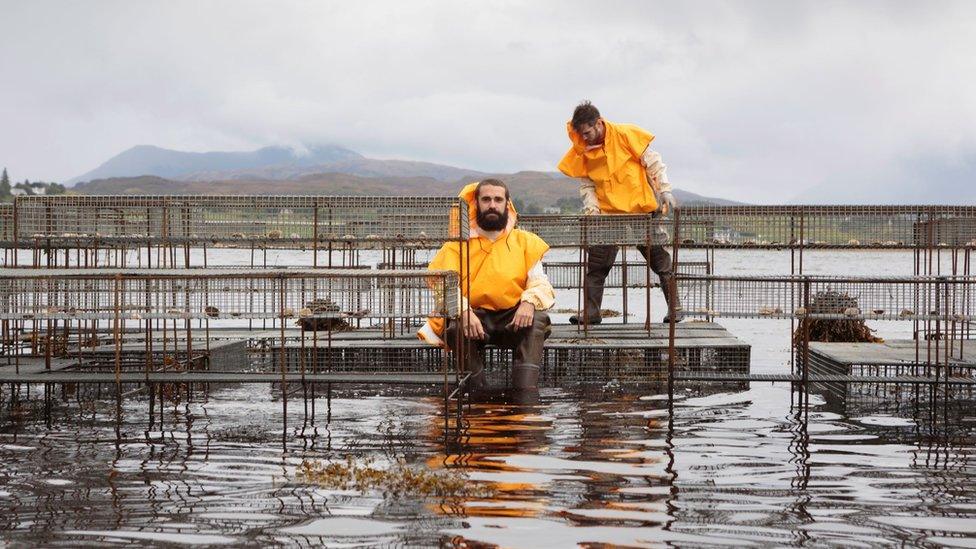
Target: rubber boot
478, 382
525, 384
575, 319
525, 376
671, 298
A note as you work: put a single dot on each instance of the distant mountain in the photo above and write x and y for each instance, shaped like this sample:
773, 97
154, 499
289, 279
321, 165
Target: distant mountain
542, 189
150, 160
325, 170
362, 166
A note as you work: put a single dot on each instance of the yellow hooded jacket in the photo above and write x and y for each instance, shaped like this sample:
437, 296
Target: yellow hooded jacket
499, 270
615, 168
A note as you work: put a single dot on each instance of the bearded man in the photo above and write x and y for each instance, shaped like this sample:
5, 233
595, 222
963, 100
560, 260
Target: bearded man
509, 291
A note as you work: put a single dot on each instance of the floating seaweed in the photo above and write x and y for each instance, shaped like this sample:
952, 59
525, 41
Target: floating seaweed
398, 481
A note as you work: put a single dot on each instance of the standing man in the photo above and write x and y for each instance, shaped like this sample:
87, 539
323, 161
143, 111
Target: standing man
509, 290
618, 173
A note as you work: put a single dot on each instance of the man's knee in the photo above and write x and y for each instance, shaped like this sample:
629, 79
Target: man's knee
601, 255
660, 260
541, 323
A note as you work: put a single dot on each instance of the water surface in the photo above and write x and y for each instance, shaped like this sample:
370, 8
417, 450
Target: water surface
580, 467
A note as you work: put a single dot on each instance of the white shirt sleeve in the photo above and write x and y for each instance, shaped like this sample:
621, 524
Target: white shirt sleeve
656, 170
538, 290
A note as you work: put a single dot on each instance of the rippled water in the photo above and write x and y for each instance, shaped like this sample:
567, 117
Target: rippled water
730, 468
604, 466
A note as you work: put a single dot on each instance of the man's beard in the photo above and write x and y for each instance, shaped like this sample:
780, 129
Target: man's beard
492, 220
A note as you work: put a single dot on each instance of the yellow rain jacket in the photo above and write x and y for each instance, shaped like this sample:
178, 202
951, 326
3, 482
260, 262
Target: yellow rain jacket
615, 168
499, 269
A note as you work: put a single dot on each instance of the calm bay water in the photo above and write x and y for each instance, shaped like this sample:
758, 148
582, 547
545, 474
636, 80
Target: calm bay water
601, 466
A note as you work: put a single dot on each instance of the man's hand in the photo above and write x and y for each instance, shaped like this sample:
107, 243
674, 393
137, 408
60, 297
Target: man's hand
472, 325
524, 316
668, 203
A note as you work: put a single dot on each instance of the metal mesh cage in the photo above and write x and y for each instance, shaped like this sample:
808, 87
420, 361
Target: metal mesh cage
889, 298
885, 227
225, 293
583, 230
236, 218
569, 274
6, 223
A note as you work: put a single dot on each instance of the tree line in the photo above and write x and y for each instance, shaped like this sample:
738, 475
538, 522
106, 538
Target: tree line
29, 188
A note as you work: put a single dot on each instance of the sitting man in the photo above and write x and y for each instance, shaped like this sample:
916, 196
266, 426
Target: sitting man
618, 173
509, 291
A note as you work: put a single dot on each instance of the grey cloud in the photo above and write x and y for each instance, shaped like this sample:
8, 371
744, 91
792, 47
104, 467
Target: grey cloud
758, 101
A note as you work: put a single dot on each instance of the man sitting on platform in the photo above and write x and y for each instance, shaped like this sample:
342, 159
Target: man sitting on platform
509, 291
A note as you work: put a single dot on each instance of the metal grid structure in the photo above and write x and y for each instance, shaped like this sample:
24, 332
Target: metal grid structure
213, 294
853, 227
71, 220
613, 355
568, 274
345, 356
615, 363
288, 221
39, 305
957, 374
562, 231
880, 298
772, 227
6, 222
134, 329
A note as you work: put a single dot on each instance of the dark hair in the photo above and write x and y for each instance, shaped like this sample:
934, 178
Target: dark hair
493, 183
585, 114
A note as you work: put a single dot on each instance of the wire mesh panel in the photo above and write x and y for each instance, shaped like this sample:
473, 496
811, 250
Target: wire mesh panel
891, 227
403, 265
267, 219
568, 274
896, 359
579, 230
224, 293
365, 357
907, 298
631, 365
6, 223
955, 231
427, 221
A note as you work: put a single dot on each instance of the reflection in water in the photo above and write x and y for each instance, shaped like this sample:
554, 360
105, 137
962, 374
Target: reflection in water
728, 468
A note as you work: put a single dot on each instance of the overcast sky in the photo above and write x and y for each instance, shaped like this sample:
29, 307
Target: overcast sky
761, 101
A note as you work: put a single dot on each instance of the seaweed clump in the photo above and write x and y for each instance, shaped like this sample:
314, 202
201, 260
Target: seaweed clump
329, 322
837, 330
399, 481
